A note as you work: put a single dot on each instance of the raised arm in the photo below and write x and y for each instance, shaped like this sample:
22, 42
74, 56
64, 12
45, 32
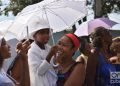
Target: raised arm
91, 69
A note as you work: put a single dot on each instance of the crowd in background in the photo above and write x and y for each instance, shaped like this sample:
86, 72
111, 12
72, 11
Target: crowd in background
39, 64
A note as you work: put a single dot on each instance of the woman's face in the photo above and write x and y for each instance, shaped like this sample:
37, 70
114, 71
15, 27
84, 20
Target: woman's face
42, 36
65, 47
5, 50
88, 48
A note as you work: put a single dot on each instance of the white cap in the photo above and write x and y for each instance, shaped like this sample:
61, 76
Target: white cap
37, 24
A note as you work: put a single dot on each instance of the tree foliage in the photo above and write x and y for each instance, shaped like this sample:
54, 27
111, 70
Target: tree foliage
0, 8
17, 5
111, 5
103, 7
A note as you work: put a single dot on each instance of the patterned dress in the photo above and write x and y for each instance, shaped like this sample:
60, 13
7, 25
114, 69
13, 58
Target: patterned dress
62, 77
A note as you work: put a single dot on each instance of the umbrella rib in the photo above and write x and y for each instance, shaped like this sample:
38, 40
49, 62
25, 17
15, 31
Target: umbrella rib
48, 8
67, 6
74, 9
38, 6
57, 15
50, 28
27, 12
57, 7
52, 2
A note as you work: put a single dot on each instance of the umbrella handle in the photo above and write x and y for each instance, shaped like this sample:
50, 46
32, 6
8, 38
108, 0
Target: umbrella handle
50, 28
52, 36
27, 33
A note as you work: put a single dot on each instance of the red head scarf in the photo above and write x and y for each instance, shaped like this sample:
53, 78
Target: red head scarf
74, 39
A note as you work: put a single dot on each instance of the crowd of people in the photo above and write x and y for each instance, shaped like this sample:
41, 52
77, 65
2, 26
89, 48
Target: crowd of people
39, 64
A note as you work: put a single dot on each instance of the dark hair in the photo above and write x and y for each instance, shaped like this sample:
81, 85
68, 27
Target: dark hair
1, 61
83, 41
1, 58
97, 36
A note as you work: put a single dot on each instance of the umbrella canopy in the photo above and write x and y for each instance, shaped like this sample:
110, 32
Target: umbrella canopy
116, 27
79, 5
4, 25
88, 27
57, 14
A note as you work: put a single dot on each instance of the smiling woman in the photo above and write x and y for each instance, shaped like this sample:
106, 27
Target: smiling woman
4, 54
69, 72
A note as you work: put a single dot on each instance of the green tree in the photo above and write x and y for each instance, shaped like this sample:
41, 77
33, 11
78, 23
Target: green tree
103, 7
17, 5
0, 8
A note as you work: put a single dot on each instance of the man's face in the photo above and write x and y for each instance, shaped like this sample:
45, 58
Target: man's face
42, 36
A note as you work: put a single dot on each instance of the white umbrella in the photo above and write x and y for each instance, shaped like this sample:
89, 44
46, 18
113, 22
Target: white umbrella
4, 25
57, 14
79, 5
82, 30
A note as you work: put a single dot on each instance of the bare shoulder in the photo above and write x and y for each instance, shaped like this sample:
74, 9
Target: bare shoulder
77, 76
79, 67
80, 59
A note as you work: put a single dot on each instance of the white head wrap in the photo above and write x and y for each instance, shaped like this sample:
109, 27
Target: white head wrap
37, 24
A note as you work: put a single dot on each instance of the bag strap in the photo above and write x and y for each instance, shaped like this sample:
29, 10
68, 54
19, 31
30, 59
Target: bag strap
12, 64
14, 81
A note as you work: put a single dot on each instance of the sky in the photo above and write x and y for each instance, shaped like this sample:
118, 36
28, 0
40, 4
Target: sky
5, 1
3, 17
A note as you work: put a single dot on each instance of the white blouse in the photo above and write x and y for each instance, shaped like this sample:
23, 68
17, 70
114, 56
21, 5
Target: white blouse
4, 79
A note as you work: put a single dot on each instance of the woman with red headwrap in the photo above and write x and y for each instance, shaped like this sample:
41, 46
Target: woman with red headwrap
70, 72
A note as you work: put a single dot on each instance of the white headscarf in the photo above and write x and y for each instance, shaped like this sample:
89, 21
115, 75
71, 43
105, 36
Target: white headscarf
1, 37
37, 24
